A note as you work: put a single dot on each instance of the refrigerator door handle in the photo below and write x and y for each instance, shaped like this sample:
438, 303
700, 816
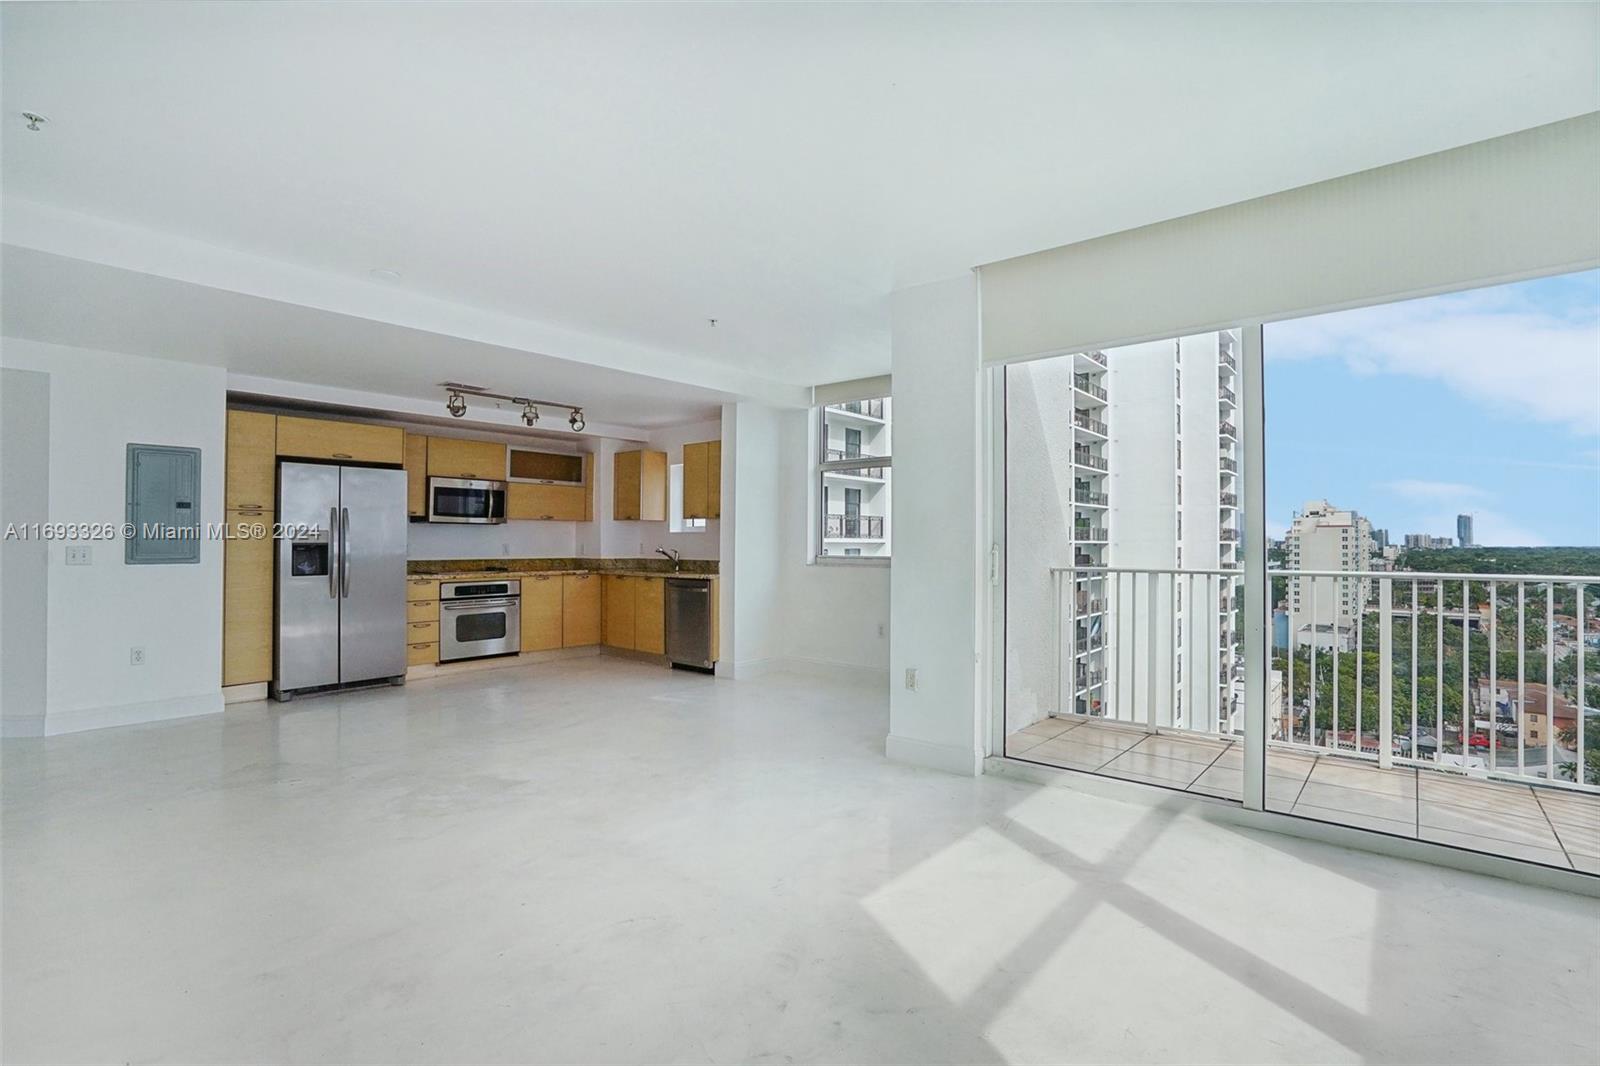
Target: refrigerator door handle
344, 553
333, 553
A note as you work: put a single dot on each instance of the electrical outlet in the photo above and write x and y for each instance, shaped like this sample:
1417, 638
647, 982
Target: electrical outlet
911, 678
79, 555
136, 656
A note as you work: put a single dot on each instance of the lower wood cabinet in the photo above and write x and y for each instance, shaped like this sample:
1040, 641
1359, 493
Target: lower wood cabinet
424, 653
649, 615
619, 599
247, 600
580, 610
541, 612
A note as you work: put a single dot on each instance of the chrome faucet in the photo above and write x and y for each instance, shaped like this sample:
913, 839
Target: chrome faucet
674, 555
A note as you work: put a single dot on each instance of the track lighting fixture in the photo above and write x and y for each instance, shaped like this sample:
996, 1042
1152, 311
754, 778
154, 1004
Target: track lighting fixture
456, 403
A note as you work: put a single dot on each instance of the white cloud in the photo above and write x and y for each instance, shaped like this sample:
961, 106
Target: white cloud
1492, 345
1435, 490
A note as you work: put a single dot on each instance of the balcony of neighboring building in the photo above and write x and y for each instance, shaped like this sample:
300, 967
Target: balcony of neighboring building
1090, 426
865, 411
853, 527
1087, 391
873, 475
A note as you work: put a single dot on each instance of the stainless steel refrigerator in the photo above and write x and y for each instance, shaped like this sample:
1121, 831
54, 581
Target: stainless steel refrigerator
341, 586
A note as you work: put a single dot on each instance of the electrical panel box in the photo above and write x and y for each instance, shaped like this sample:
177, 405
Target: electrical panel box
163, 504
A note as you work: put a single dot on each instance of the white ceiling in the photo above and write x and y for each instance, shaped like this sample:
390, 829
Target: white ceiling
627, 171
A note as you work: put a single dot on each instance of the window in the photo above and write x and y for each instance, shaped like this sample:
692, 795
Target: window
676, 523
853, 467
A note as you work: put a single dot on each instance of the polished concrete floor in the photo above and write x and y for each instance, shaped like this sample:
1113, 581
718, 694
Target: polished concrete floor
601, 861
1553, 826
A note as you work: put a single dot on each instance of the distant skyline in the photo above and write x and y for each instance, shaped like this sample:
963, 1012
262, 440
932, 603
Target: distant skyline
1484, 402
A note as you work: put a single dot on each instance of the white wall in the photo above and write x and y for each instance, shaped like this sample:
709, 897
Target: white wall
99, 403
24, 562
838, 613
513, 540
934, 582
610, 539
754, 631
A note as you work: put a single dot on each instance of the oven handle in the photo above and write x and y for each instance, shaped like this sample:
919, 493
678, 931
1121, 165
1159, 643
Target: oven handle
470, 605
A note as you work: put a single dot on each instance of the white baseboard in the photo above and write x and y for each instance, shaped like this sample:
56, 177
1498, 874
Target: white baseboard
30, 725
851, 672
132, 713
947, 757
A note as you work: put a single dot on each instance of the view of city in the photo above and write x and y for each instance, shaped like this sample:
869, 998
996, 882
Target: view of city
1445, 449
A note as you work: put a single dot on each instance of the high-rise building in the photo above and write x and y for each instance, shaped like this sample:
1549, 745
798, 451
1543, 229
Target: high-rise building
855, 501
1427, 540
1464, 530
1326, 538
1174, 484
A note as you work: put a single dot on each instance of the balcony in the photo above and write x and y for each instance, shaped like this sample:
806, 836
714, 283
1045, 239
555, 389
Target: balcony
1090, 534
865, 408
1096, 357
1228, 466
1225, 394
1092, 425
1228, 430
1085, 458
838, 455
1227, 360
853, 527
1373, 743
1228, 499
1083, 384
1227, 535
1090, 498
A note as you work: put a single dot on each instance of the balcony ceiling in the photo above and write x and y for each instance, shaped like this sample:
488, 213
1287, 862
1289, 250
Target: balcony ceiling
628, 172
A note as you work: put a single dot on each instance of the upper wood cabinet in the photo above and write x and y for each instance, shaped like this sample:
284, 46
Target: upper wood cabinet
549, 503
453, 457
546, 466
639, 487
702, 479
321, 438
416, 475
252, 461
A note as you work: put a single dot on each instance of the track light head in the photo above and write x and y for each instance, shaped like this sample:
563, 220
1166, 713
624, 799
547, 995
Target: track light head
576, 420
456, 404
530, 414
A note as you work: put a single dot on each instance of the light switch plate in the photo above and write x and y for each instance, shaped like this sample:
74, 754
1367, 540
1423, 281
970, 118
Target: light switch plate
80, 555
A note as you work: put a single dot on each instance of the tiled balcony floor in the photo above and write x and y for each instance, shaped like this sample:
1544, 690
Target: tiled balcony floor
1552, 826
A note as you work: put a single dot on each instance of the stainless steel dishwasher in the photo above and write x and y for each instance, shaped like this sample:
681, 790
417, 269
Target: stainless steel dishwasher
689, 623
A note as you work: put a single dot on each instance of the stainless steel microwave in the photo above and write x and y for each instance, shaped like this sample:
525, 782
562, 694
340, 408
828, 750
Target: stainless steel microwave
457, 499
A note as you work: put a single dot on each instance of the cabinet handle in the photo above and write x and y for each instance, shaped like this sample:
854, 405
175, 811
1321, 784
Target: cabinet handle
343, 455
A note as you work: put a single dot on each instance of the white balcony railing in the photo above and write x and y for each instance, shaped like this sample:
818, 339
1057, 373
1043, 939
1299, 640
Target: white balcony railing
1480, 675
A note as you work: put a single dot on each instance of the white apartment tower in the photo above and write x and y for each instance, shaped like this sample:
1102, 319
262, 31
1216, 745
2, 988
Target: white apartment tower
1173, 484
855, 502
1324, 537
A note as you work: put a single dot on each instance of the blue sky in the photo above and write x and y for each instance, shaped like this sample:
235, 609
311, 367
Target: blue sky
1485, 401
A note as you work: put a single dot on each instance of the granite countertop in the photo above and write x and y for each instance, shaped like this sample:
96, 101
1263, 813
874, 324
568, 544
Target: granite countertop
460, 569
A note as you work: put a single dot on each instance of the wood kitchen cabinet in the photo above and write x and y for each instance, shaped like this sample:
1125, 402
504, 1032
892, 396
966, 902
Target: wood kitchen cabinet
247, 600
580, 610
618, 594
639, 486
453, 457
252, 462
416, 475
650, 615
541, 612
702, 479
321, 438
547, 503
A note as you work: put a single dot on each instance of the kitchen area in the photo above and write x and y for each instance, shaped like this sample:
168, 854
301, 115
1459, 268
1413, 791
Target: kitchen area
368, 551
